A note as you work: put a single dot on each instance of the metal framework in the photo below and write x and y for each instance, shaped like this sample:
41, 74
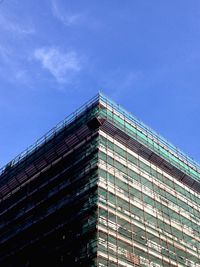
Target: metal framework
100, 189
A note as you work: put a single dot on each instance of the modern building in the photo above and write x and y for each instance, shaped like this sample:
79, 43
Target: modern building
100, 189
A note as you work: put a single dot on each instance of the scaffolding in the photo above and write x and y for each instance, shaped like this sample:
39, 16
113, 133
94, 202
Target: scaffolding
100, 189
148, 136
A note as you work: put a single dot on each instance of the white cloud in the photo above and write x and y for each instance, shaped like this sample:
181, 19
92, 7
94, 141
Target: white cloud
123, 79
67, 19
4, 53
119, 81
10, 24
61, 65
12, 67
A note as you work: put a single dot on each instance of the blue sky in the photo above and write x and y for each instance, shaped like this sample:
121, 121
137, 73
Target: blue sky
56, 54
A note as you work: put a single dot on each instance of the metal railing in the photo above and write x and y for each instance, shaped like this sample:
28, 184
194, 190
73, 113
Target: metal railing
149, 132
50, 134
101, 97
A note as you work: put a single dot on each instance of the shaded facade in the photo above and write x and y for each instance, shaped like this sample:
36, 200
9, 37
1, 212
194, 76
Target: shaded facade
100, 189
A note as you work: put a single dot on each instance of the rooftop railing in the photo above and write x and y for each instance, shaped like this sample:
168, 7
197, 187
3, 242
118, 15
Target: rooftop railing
50, 134
100, 97
155, 136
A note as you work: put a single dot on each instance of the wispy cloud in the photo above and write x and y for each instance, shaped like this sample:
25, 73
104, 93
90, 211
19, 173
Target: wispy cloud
122, 79
12, 65
4, 53
10, 24
67, 18
61, 65
118, 81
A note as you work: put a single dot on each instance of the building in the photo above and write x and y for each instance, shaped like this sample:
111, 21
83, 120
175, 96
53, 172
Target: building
100, 189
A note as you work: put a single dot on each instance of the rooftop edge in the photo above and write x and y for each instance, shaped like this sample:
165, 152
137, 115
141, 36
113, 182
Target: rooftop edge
70, 118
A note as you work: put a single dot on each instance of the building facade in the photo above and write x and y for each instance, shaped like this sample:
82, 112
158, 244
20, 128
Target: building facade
100, 189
